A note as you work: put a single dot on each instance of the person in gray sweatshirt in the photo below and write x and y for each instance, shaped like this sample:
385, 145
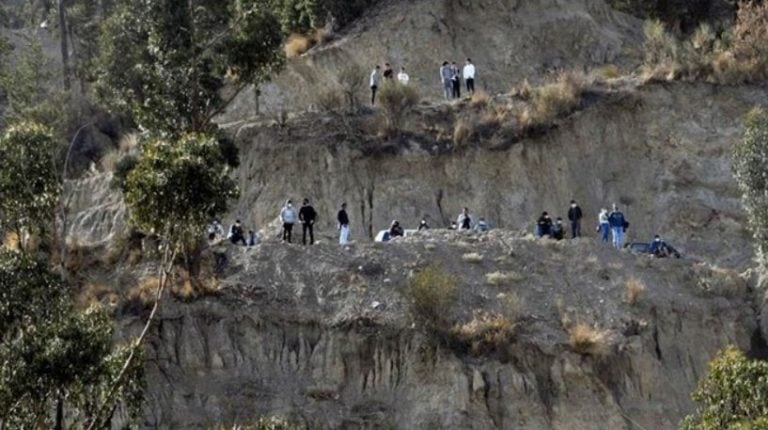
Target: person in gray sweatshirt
375, 82
446, 76
288, 217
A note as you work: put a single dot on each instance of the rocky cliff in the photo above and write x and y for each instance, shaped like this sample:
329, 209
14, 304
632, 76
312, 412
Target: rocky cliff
323, 335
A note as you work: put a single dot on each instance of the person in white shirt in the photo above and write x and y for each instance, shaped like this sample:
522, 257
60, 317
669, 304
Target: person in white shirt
403, 77
375, 82
469, 76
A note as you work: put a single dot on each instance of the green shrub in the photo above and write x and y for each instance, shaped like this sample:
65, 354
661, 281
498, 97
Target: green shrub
397, 101
732, 395
431, 295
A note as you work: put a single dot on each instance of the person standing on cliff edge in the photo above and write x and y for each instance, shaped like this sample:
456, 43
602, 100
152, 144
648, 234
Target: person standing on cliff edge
469, 76
574, 216
375, 82
307, 217
343, 220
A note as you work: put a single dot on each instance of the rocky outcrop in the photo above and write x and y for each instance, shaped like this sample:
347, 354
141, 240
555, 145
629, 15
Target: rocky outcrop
294, 333
96, 213
508, 40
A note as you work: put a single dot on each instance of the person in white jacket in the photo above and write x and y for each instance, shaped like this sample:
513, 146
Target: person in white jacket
403, 77
375, 82
469, 76
288, 217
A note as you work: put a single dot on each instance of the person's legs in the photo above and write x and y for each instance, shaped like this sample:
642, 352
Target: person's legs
604, 231
304, 228
617, 236
447, 89
311, 234
576, 229
471, 86
289, 230
373, 95
344, 235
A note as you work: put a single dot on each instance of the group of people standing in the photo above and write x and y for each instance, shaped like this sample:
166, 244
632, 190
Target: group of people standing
608, 224
451, 75
388, 74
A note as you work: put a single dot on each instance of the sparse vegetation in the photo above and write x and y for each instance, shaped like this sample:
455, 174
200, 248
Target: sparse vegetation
552, 101
485, 333
734, 56
431, 294
719, 281
634, 288
462, 132
472, 257
352, 82
297, 44
502, 278
396, 101
588, 340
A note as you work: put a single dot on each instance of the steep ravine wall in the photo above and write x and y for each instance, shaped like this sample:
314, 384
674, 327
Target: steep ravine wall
292, 339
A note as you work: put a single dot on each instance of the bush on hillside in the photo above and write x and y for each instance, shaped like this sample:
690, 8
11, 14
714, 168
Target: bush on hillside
396, 101
352, 81
551, 101
432, 294
732, 395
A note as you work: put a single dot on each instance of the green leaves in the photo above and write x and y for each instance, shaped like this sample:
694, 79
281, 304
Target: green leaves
29, 184
178, 185
750, 167
734, 394
167, 62
49, 350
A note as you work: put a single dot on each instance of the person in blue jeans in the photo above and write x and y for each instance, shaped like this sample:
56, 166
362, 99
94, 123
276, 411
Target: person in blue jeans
618, 224
603, 227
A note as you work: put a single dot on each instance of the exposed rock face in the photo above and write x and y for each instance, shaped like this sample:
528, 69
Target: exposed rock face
97, 213
294, 333
662, 152
508, 40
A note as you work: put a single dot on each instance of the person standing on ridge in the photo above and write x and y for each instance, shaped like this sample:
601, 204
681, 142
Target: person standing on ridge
618, 225
343, 220
456, 80
288, 217
603, 226
307, 217
469, 76
574, 216
403, 77
446, 77
375, 82
464, 220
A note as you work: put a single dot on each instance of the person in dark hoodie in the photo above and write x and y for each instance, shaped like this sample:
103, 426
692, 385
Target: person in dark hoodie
396, 230
236, 233
343, 220
575, 216
558, 231
307, 217
544, 225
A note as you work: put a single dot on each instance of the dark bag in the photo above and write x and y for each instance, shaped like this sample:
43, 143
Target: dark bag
625, 225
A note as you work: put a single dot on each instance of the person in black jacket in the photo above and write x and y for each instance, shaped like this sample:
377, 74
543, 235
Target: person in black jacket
574, 216
544, 225
343, 220
307, 217
395, 230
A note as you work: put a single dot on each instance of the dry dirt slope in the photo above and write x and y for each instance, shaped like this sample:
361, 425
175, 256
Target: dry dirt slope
295, 332
508, 40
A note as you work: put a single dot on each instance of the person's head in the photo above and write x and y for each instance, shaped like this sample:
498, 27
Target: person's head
423, 221
657, 238
615, 207
343, 205
445, 63
237, 222
453, 63
250, 232
395, 223
289, 203
306, 201
377, 67
573, 203
466, 211
386, 65
545, 214
603, 210
469, 61
402, 69
559, 220
453, 225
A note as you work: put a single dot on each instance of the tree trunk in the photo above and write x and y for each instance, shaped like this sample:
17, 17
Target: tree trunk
59, 425
64, 44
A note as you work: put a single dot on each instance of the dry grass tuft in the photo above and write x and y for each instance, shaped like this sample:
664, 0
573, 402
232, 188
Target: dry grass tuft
431, 294
462, 133
11, 241
720, 281
608, 71
485, 333
109, 161
587, 340
633, 289
297, 44
472, 257
96, 293
498, 279
480, 99
551, 101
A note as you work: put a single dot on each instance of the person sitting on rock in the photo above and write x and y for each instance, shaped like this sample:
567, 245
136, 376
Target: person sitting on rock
453, 226
403, 77
423, 225
544, 225
558, 232
288, 217
482, 225
388, 74
236, 233
465, 220
395, 230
